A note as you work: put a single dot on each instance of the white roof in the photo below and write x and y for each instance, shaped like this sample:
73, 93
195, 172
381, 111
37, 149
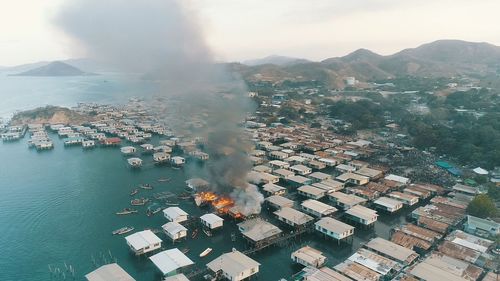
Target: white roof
362, 212
142, 239
396, 178
174, 212
391, 249
177, 277
318, 206
109, 272
373, 261
387, 202
308, 254
258, 229
480, 171
315, 191
173, 227
279, 200
211, 218
290, 214
271, 187
233, 263
334, 225
170, 260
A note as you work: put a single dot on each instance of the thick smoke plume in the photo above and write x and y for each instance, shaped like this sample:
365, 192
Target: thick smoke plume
162, 40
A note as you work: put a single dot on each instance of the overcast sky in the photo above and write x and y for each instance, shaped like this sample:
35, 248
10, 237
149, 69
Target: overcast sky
244, 29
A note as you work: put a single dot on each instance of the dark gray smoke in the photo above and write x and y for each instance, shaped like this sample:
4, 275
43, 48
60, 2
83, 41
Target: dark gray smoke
162, 40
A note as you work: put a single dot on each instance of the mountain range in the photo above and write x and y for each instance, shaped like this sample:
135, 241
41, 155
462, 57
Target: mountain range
443, 58
56, 68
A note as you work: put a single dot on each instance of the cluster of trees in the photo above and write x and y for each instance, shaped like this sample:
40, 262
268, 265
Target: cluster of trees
482, 206
361, 114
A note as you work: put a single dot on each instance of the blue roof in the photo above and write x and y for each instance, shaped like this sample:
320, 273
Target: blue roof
454, 171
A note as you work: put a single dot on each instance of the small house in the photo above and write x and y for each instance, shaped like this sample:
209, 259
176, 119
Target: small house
301, 170
171, 262
345, 201
273, 189
362, 215
177, 161
234, 266
388, 204
311, 192
211, 221
292, 217
109, 272
278, 202
308, 256
174, 231
143, 242
161, 157
175, 214
317, 208
334, 228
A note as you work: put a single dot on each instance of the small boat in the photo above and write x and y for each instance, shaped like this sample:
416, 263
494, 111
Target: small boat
139, 201
171, 204
134, 192
164, 179
184, 196
152, 210
233, 236
195, 233
123, 230
146, 186
185, 250
206, 252
127, 211
207, 232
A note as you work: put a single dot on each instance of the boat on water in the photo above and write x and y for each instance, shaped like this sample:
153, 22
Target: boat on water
206, 252
171, 204
195, 233
146, 186
185, 250
184, 196
127, 211
164, 179
122, 230
207, 232
139, 201
134, 192
153, 209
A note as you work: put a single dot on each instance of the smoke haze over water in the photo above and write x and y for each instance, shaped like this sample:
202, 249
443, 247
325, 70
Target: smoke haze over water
163, 40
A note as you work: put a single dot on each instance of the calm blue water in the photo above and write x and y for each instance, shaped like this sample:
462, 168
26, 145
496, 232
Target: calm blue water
58, 207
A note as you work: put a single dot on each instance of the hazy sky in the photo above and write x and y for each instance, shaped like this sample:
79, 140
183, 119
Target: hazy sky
244, 29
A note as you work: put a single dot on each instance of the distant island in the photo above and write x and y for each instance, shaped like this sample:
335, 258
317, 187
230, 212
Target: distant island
56, 68
50, 115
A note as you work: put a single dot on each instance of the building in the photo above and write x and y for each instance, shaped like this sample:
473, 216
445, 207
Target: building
257, 230
308, 256
322, 274
234, 266
175, 214
358, 272
278, 202
211, 221
481, 227
292, 217
277, 164
372, 174
161, 157
177, 161
401, 180
143, 242
392, 250
345, 201
174, 231
297, 181
283, 174
171, 262
319, 176
353, 178
317, 208
273, 189
301, 169
177, 277
406, 198
382, 265
388, 204
329, 185
438, 267
109, 272
311, 192
362, 215
334, 228
197, 184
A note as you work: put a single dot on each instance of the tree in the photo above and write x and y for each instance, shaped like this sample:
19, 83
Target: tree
482, 206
